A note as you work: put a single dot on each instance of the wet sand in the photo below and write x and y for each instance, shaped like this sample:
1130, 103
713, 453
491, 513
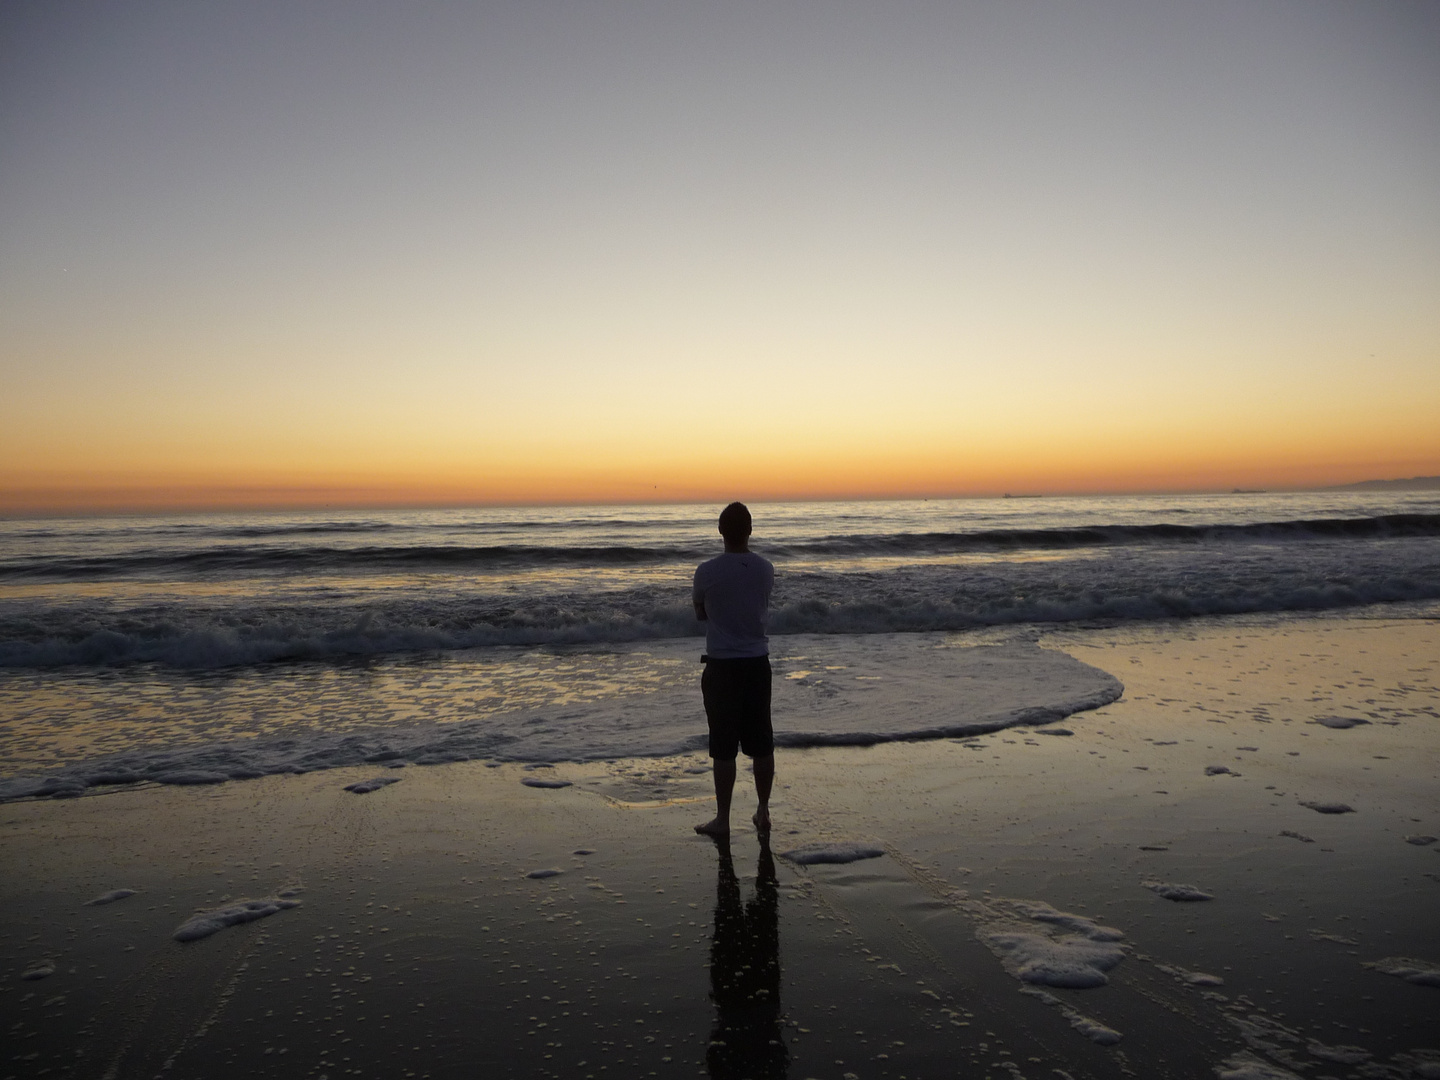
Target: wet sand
421, 948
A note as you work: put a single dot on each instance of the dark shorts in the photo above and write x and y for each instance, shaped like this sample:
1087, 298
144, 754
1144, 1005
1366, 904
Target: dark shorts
737, 706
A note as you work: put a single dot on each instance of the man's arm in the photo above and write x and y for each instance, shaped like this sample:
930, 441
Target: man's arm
697, 597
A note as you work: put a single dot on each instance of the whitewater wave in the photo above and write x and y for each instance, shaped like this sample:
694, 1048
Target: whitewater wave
238, 560
944, 543
204, 641
212, 592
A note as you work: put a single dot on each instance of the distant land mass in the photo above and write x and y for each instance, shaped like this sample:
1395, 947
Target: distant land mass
1415, 483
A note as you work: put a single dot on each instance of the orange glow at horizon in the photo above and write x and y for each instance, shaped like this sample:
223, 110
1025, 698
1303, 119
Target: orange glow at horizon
859, 427
775, 475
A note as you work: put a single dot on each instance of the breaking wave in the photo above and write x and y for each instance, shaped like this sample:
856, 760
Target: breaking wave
203, 640
277, 560
217, 591
222, 556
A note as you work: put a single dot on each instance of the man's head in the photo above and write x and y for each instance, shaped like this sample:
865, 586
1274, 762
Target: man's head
735, 524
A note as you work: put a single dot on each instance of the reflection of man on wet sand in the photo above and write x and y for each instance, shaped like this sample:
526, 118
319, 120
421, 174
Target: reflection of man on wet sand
745, 975
732, 598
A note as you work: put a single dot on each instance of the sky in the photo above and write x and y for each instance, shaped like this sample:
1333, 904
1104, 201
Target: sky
355, 253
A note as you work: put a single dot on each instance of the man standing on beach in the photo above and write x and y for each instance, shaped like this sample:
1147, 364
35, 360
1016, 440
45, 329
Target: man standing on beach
732, 599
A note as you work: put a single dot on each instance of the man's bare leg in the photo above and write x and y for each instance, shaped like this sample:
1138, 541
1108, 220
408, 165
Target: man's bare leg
724, 788
764, 779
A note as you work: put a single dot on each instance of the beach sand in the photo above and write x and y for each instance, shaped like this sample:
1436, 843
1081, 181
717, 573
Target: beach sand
420, 947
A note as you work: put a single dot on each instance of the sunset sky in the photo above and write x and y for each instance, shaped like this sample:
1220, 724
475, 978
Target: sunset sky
329, 253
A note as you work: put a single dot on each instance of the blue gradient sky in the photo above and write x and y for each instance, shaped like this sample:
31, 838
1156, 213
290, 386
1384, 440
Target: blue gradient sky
444, 251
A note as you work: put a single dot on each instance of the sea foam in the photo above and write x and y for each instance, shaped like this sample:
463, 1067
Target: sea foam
839, 852
110, 897
873, 690
1091, 1028
1077, 957
1419, 972
364, 787
1246, 1066
206, 923
1173, 891
1071, 961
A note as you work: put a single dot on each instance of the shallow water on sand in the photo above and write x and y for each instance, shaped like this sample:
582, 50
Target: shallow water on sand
147, 725
49, 723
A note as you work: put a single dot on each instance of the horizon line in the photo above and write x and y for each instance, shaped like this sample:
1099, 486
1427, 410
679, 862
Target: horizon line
158, 508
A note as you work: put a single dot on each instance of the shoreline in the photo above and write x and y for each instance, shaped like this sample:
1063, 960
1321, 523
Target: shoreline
639, 701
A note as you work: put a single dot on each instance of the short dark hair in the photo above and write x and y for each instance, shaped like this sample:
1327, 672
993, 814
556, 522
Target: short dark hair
735, 521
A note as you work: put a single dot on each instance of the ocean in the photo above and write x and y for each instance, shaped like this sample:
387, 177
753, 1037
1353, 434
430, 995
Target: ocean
130, 645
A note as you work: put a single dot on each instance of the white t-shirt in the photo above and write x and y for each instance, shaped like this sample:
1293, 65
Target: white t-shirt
735, 589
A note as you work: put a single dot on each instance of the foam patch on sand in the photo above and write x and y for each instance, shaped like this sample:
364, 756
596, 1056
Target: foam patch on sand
1245, 1066
188, 777
212, 922
1190, 978
1076, 958
1173, 891
1329, 807
1268, 1036
926, 689
1420, 841
35, 972
375, 783
1071, 962
1419, 972
1076, 924
1340, 723
1092, 1029
1345, 1055
844, 852
110, 897
1067, 951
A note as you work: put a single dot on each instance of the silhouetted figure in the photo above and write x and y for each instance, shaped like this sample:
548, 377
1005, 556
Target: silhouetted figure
746, 1042
732, 599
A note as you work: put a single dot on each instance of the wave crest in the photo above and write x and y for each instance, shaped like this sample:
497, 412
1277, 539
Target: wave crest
238, 559
206, 643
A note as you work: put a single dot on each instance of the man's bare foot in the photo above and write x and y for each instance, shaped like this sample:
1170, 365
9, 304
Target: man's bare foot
762, 820
715, 827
